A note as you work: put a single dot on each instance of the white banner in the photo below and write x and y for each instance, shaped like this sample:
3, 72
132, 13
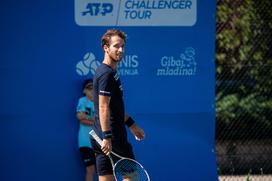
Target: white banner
135, 12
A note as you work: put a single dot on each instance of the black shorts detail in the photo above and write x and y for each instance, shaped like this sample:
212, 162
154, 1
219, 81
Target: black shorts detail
103, 164
87, 156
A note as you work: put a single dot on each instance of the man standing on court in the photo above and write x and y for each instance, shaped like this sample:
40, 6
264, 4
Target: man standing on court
109, 107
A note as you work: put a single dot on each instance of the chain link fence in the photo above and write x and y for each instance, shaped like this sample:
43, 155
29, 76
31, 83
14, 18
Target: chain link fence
244, 90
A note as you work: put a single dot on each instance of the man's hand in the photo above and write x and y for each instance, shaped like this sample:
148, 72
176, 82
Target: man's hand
106, 146
137, 132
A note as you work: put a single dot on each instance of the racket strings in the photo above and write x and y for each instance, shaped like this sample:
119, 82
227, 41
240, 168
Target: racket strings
128, 168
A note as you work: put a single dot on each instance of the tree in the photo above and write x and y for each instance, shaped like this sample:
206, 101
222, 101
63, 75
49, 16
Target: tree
244, 65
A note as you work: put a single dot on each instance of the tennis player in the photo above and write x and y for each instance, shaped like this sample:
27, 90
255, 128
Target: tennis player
110, 116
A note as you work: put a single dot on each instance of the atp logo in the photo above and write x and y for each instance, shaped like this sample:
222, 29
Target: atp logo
135, 12
96, 9
87, 65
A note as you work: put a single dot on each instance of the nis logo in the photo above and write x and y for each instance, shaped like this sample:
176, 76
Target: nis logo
96, 9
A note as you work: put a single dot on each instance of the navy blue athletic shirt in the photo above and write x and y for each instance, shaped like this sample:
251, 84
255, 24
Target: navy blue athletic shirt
107, 83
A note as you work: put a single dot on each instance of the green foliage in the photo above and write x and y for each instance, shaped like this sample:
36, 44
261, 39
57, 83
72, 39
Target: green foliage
225, 107
244, 61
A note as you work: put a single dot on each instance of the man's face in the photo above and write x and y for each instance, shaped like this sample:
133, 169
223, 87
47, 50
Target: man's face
116, 48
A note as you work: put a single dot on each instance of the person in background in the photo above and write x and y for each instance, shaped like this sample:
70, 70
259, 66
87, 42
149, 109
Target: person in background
85, 115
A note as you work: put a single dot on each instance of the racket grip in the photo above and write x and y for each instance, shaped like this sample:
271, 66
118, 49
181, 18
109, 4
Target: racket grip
94, 135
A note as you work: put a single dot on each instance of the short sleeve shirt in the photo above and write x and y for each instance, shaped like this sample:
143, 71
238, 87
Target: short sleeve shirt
107, 83
86, 106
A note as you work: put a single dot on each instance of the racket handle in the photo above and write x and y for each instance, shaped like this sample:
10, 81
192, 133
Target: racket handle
99, 141
94, 135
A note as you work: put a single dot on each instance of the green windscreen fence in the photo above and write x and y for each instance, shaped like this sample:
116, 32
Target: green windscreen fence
244, 90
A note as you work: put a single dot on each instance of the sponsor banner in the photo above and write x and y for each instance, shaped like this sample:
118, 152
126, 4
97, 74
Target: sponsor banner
181, 65
135, 12
127, 67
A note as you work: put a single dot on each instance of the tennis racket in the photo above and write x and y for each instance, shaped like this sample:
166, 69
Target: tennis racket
124, 167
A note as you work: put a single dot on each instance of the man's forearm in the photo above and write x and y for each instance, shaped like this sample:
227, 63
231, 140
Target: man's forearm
104, 116
104, 112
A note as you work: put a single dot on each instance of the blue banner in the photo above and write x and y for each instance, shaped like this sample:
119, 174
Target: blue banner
168, 75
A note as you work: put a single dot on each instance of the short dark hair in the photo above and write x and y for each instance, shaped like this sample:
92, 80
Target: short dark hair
110, 33
88, 83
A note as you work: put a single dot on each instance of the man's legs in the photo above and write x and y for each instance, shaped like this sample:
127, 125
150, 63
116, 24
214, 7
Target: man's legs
104, 168
106, 178
111, 178
126, 179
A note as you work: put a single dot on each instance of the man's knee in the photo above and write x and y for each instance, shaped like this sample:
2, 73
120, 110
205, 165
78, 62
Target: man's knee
106, 178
